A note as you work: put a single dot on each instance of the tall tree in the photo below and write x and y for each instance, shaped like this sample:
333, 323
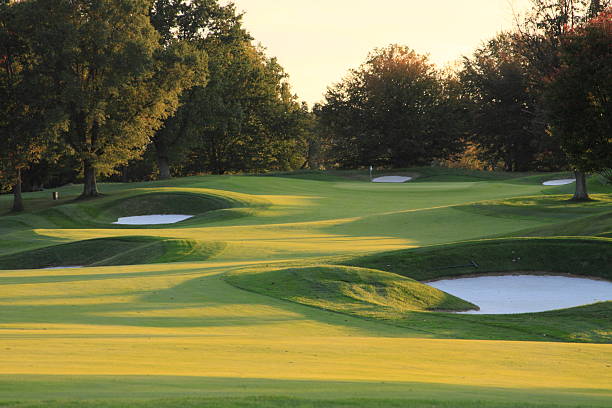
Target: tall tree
22, 124
393, 110
103, 63
504, 108
539, 41
246, 116
579, 98
208, 26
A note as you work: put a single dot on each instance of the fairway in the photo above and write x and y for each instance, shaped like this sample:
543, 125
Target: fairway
293, 286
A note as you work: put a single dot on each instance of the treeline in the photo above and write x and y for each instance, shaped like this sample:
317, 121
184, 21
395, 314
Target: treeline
141, 89
138, 89
536, 98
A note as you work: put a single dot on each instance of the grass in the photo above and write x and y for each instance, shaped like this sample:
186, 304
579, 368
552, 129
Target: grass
373, 294
367, 292
581, 256
168, 322
277, 402
128, 250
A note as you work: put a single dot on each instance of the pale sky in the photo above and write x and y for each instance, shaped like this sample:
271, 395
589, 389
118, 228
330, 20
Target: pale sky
318, 41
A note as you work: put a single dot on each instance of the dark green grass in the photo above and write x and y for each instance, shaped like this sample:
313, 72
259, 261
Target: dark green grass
578, 256
596, 225
113, 251
543, 207
161, 203
191, 392
280, 402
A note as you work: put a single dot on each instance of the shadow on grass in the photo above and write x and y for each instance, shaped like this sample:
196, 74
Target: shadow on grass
219, 392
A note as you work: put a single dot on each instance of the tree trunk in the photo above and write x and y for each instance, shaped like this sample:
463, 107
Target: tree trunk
581, 187
314, 153
17, 197
90, 187
164, 167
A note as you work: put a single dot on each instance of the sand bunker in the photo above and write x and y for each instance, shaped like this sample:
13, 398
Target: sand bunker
64, 267
526, 293
391, 179
560, 182
152, 219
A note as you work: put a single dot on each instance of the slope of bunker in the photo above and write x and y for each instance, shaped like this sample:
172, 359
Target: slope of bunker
170, 206
205, 205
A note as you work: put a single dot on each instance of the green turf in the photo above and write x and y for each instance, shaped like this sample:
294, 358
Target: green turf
374, 294
174, 392
345, 289
580, 256
298, 289
127, 250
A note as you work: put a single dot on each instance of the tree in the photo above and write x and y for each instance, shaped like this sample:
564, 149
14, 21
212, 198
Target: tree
393, 110
246, 118
22, 124
579, 98
506, 124
206, 25
103, 63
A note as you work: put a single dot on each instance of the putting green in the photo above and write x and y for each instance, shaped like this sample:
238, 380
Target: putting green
179, 329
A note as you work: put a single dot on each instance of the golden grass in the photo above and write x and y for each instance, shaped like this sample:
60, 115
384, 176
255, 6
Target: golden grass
253, 354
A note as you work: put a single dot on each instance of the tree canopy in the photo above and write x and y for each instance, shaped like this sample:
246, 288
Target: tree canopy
103, 63
393, 110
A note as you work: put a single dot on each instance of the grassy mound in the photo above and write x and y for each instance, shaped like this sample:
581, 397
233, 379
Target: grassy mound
206, 205
579, 256
403, 302
164, 203
113, 251
365, 292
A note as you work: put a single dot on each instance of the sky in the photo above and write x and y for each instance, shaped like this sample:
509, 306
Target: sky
318, 41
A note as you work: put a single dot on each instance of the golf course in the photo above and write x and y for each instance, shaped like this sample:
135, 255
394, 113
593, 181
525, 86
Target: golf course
304, 289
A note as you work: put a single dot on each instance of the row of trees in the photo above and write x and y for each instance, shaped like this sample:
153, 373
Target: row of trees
536, 98
141, 89
93, 85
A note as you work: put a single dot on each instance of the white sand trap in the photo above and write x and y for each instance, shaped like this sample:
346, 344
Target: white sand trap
391, 179
560, 182
64, 267
526, 293
152, 219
